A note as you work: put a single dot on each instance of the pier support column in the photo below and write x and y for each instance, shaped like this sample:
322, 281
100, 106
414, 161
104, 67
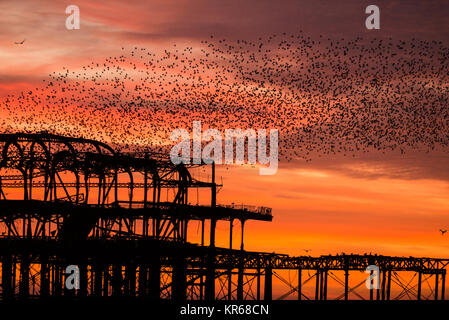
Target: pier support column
24, 277
7, 277
268, 292
325, 286
131, 271
143, 280
299, 284
116, 280
436, 285
155, 279
98, 280
346, 283
83, 279
213, 224
45, 281
179, 279
389, 284
58, 281
210, 276
419, 285
230, 284
231, 225
443, 284
242, 223
240, 284
106, 277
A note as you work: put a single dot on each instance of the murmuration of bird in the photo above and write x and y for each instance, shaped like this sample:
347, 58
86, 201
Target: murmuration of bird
325, 96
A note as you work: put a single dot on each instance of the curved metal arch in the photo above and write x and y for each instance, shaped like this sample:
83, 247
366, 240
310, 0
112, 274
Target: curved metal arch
39, 142
4, 161
58, 138
96, 144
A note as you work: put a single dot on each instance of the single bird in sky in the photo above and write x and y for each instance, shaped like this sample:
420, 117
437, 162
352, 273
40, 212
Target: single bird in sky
443, 231
21, 42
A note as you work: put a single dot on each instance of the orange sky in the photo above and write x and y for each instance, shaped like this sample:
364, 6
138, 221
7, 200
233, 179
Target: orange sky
329, 207
332, 213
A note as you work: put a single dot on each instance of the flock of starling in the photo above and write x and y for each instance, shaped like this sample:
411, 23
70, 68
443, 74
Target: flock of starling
325, 96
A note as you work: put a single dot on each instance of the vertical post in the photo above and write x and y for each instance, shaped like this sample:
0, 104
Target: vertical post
384, 276
101, 180
371, 291
436, 285
143, 280
325, 285
210, 275
116, 280
155, 278
299, 284
25, 186
346, 283
31, 184
201, 285
389, 284
7, 276
77, 187
145, 181
322, 285
242, 222
443, 284
379, 285
213, 224
131, 270
268, 294
186, 224
231, 222
24, 276
55, 189
419, 285
45, 286
58, 280
116, 185
258, 284
145, 197
83, 279
106, 281
240, 283
214, 187
317, 283
14, 273
229, 284
179, 279
98, 280
202, 232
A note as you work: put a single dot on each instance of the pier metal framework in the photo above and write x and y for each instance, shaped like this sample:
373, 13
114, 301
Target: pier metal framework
123, 220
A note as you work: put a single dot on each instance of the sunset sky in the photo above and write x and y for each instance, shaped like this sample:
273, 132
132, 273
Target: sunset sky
391, 204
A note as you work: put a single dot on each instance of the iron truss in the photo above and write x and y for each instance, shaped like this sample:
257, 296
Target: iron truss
123, 219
